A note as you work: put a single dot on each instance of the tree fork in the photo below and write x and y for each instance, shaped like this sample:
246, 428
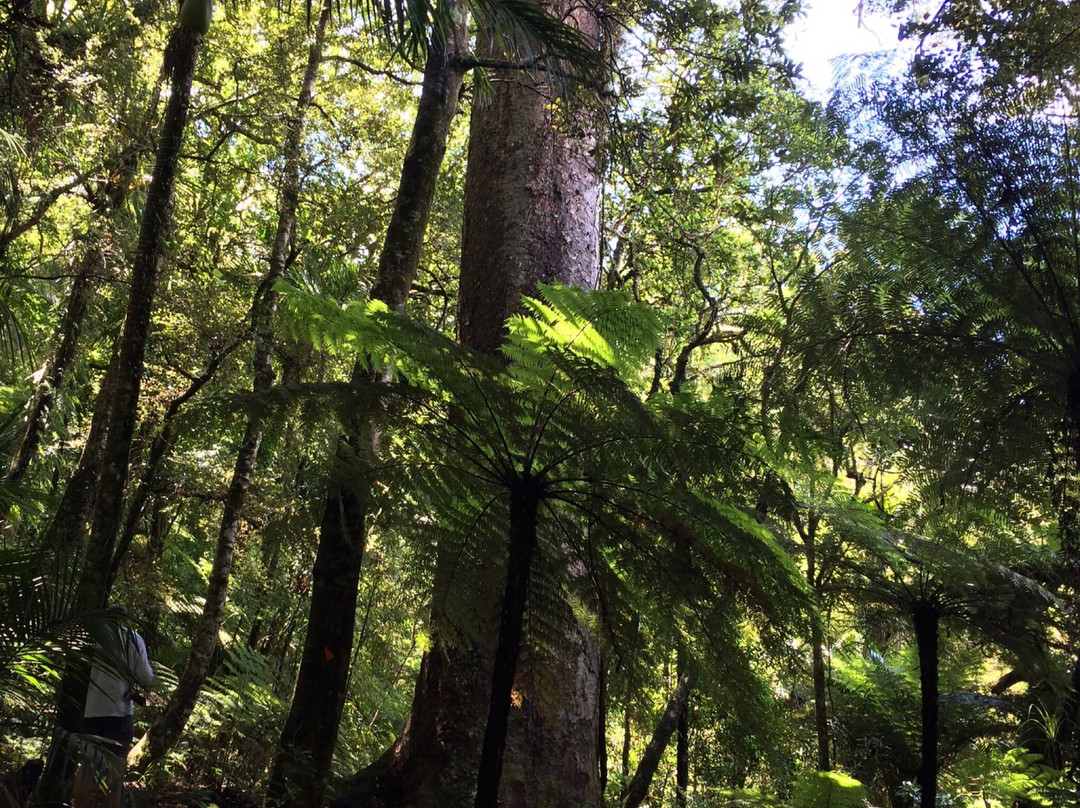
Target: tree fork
638, 788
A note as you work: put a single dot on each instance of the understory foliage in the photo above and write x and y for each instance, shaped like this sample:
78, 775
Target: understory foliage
831, 387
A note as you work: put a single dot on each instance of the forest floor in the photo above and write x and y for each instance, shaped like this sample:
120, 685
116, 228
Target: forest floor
172, 797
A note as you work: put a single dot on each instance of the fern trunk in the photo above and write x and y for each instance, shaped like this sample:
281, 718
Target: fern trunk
524, 502
925, 617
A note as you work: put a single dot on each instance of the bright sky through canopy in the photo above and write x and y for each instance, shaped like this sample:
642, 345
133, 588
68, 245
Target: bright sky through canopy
832, 28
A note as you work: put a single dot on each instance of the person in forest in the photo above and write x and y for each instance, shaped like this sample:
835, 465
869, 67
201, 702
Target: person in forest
108, 718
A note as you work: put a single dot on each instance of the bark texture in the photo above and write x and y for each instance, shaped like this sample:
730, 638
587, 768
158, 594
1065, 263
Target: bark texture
532, 216
531, 212
298, 777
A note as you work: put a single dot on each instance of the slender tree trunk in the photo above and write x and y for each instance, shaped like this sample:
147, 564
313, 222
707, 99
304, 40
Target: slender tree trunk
682, 738
181, 54
167, 729
601, 735
925, 617
298, 777
530, 217
44, 397
159, 449
817, 642
665, 728
821, 718
524, 501
67, 528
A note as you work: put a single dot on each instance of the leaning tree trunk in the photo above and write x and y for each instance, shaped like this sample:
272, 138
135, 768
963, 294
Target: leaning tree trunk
926, 615
298, 776
638, 788
181, 54
531, 205
44, 396
122, 169
166, 730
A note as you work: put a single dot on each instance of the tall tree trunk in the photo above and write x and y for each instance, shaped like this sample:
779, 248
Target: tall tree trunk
166, 730
525, 497
530, 216
181, 54
682, 737
821, 718
67, 528
638, 788
817, 653
925, 617
298, 776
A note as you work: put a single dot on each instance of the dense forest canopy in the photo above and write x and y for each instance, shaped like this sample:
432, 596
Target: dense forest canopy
535, 403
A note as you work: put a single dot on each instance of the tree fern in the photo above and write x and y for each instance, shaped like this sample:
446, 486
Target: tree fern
623, 482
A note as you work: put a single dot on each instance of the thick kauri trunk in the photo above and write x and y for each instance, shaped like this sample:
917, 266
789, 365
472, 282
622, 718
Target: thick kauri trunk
298, 777
638, 788
530, 216
925, 617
